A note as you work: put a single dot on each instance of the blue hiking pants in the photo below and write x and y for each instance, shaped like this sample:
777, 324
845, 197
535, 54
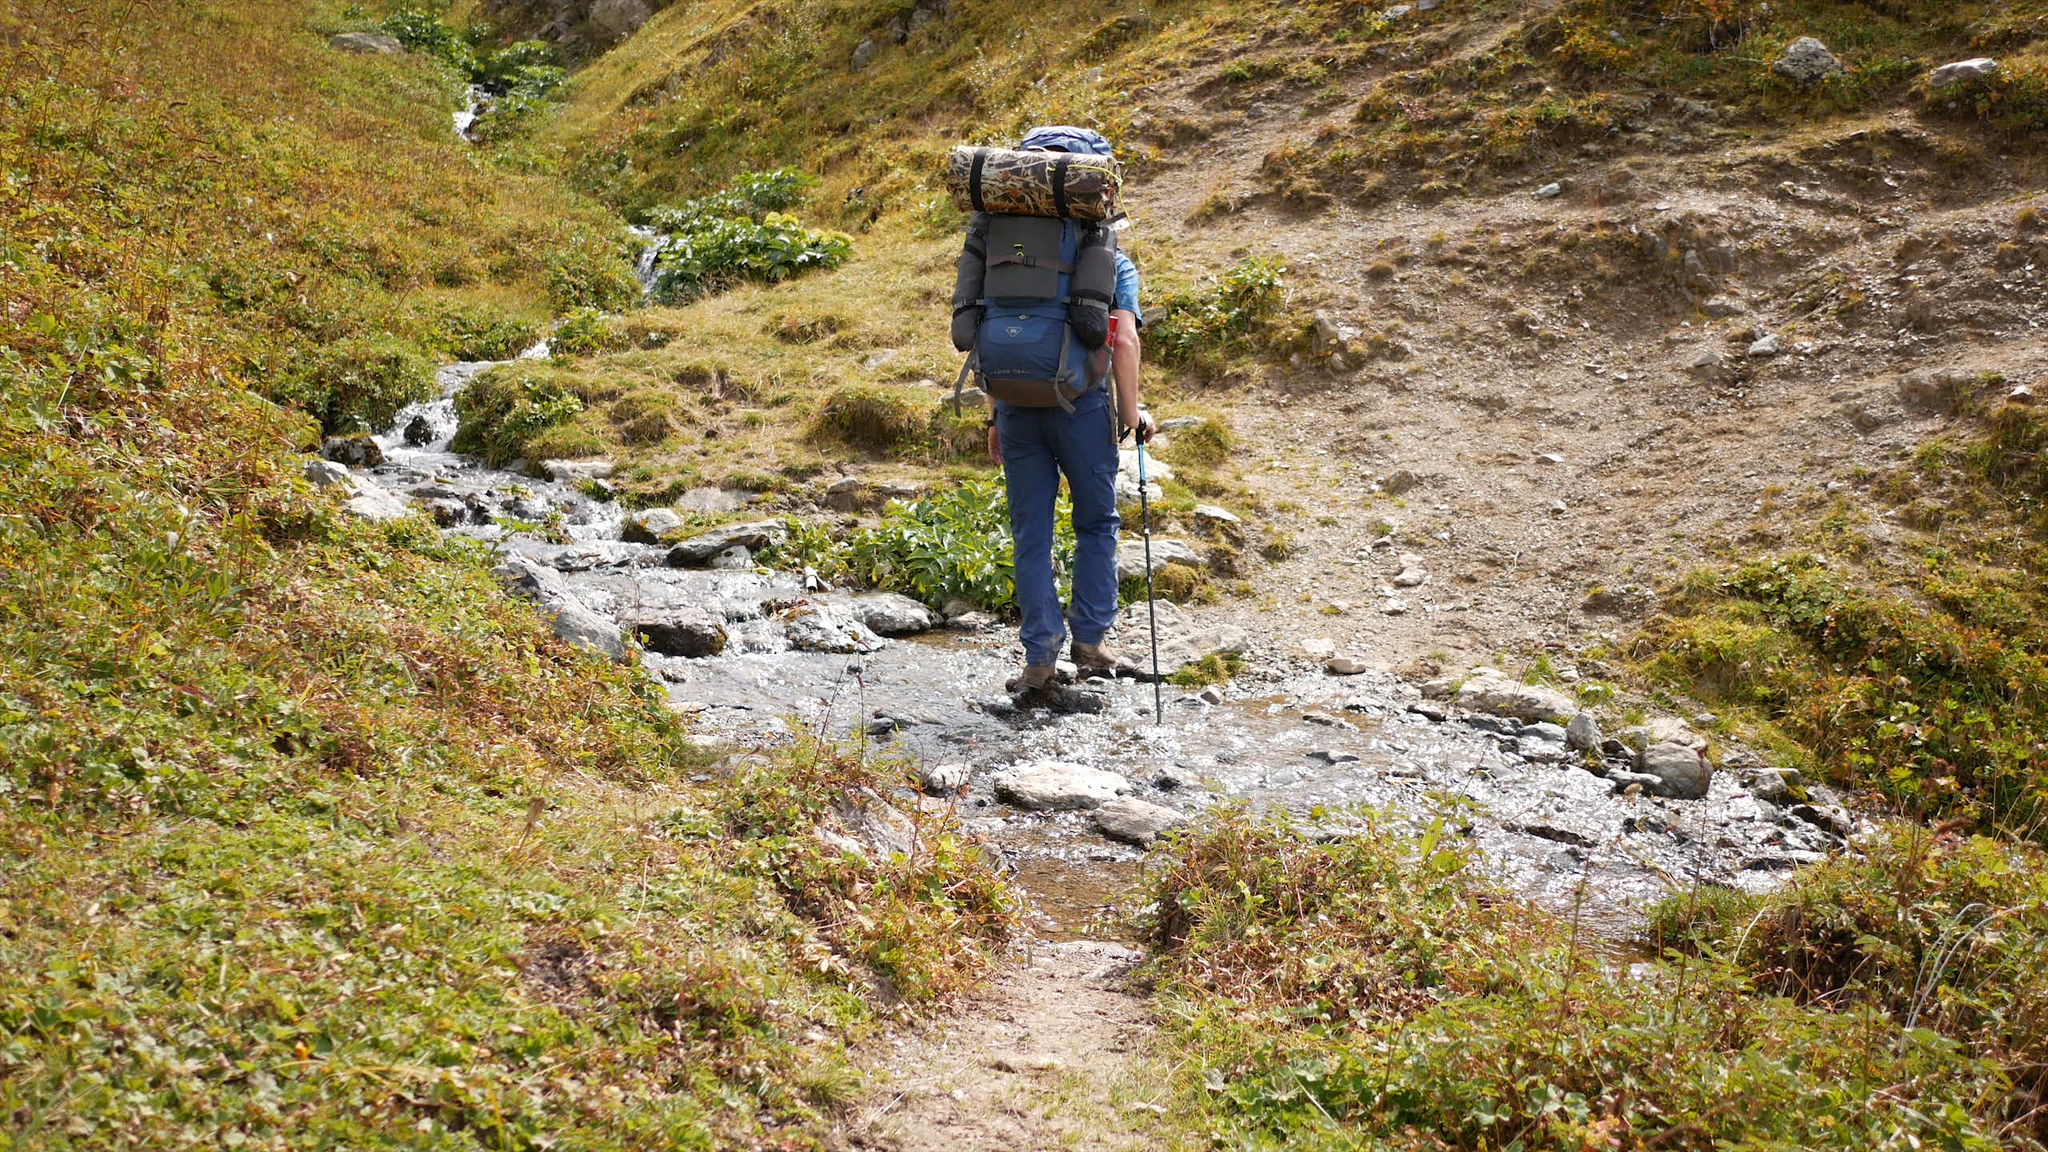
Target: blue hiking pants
1039, 445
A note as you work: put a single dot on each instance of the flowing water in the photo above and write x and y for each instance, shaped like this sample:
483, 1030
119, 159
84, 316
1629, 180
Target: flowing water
1284, 735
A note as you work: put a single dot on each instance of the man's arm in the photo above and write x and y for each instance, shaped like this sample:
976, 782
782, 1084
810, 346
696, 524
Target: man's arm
1123, 366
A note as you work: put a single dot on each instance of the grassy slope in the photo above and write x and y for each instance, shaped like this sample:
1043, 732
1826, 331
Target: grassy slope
311, 835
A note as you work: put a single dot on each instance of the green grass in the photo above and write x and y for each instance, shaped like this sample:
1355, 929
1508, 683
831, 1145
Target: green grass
309, 834
1370, 992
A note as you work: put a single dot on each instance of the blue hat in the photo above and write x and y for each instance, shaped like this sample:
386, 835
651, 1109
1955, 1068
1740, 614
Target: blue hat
1065, 138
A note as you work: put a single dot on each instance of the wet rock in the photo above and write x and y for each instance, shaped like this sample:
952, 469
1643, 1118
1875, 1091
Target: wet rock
1542, 743
419, 432
733, 559
372, 501
1333, 756
325, 473
366, 43
1210, 695
354, 451
1130, 557
1773, 785
1680, 770
944, 779
1825, 817
1314, 716
1345, 666
1806, 61
1489, 690
1583, 733
649, 525
681, 631
1949, 75
971, 621
696, 551
1498, 725
892, 614
1426, 711
1053, 785
1135, 821
817, 628
568, 618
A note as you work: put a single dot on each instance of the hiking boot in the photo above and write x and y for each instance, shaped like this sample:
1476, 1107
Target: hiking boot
1094, 660
1038, 682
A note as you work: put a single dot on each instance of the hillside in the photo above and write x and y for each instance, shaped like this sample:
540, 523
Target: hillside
1689, 392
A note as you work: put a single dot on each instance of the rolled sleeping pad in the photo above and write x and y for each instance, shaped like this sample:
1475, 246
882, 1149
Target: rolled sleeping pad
1073, 185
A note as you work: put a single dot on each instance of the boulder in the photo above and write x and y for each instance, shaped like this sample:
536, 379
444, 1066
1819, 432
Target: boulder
1135, 821
325, 473
846, 494
1130, 557
944, 779
617, 19
1052, 785
1412, 573
1722, 307
681, 631
1681, 771
354, 451
1583, 733
1766, 345
698, 550
373, 501
1949, 75
893, 614
1127, 476
1806, 61
817, 628
863, 52
1489, 690
649, 525
568, 618
366, 43
1345, 666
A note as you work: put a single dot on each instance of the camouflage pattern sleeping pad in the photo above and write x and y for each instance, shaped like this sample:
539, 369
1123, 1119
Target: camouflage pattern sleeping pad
1073, 185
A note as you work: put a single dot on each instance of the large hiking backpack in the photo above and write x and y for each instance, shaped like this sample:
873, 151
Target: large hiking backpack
1035, 284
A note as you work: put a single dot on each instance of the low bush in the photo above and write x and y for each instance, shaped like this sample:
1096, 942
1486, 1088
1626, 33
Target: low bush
1203, 328
584, 331
739, 235
1365, 990
501, 410
357, 384
461, 331
872, 418
585, 270
954, 544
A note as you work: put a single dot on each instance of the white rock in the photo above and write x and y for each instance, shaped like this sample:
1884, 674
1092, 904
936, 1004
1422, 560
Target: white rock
1345, 666
1393, 607
1130, 557
1961, 70
941, 779
1055, 785
1766, 345
1549, 191
1807, 61
1489, 690
372, 501
1583, 733
1319, 647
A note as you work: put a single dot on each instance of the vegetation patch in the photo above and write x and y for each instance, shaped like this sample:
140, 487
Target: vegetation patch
1206, 328
739, 235
502, 410
1365, 990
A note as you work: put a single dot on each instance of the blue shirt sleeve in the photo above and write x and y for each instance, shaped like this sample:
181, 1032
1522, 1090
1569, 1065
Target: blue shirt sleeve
1127, 287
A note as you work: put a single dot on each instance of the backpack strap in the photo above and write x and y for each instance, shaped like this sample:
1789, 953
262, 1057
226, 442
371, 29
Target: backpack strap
960, 382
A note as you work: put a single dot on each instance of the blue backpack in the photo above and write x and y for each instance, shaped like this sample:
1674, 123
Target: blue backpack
1032, 297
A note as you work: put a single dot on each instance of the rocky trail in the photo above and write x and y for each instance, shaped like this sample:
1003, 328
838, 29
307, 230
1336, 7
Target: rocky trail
1070, 800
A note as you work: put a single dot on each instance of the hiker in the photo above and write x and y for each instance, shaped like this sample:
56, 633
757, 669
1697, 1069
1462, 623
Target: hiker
1039, 430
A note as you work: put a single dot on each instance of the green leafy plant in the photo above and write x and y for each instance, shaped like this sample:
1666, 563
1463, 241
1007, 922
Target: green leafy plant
952, 545
1231, 316
741, 234
357, 384
584, 331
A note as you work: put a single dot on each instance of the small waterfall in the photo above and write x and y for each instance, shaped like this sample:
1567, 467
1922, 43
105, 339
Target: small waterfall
465, 117
653, 243
426, 429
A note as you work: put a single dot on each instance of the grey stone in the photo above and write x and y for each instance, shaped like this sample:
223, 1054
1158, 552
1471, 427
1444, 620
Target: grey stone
1772, 786
972, 622
1672, 730
681, 631
863, 52
649, 525
1706, 360
1412, 573
570, 620
1215, 515
733, 559
372, 501
367, 43
817, 628
1680, 770
1826, 818
846, 494
1156, 470
617, 19
893, 614
1180, 423
1722, 307
1583, 733
1135, 821
1806, 61
326, 473
699, 549
971, 399
865, 825
1345, 666
1545, 730
1949, 75
1549, 191
942, 779
1053, 785
354, 451
1765, 345
1392, 606
575, 471
1488, 690
713, 500
1130, 557
1210, 694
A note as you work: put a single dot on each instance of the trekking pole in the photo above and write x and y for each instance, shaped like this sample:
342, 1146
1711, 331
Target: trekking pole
1151, 604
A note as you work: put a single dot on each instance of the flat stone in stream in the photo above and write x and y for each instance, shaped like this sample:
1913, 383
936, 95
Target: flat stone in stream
698, 550
892, 614
681, 631
1135, 821
817, 628
1053, 785
566, 616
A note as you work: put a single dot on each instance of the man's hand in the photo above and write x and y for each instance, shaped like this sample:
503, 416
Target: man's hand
1141, 424
995, 446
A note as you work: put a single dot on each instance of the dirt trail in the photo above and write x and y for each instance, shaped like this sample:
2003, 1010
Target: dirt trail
1050, 1055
